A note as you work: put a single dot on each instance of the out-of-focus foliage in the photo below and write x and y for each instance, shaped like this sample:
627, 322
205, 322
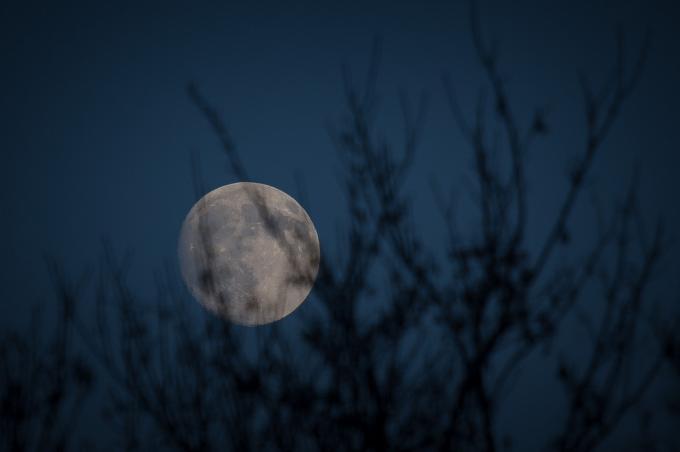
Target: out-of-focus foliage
426, 366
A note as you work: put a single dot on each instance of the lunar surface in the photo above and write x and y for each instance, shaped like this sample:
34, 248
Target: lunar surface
249, 253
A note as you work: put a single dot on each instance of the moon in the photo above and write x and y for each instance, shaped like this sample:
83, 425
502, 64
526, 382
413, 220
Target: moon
249, 253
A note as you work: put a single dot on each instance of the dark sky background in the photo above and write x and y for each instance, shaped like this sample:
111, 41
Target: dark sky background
97, 131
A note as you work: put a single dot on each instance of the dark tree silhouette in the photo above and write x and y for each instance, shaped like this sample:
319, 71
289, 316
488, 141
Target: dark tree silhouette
44, 382
425, 367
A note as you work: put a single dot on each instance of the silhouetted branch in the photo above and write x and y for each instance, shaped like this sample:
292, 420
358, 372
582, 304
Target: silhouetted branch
399, 350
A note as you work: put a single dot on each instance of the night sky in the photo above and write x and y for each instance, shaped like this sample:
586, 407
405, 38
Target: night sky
97, 130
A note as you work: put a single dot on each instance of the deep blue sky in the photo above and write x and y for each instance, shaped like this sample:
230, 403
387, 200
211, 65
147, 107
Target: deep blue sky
96, 129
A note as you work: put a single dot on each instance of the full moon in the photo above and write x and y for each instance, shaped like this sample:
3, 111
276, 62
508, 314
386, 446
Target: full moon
249, 253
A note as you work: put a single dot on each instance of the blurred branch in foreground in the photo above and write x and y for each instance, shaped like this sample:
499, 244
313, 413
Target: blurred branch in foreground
401, 349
